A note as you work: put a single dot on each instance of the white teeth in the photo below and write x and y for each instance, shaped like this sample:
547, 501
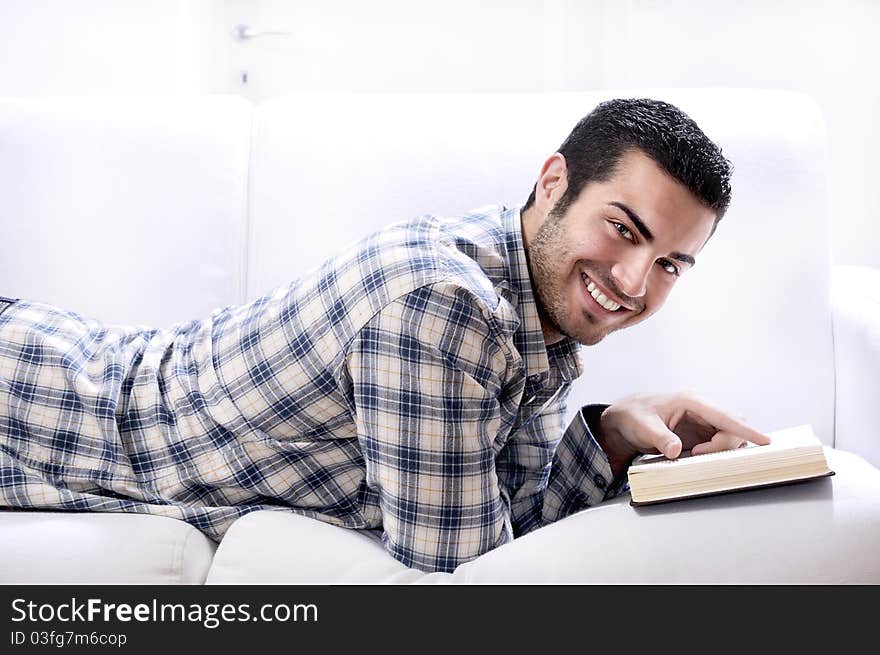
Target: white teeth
598, 296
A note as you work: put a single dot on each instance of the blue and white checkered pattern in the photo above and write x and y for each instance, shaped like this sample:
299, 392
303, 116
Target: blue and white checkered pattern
403, 385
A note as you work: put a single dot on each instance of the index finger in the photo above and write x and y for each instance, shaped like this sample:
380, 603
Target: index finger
724, 421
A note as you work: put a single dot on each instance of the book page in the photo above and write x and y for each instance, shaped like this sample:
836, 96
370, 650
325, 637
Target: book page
786, 439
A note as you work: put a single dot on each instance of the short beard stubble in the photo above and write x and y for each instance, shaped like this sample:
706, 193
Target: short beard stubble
544, 255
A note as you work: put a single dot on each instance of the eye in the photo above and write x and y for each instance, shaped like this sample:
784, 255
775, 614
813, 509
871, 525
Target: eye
624, 231
668, 266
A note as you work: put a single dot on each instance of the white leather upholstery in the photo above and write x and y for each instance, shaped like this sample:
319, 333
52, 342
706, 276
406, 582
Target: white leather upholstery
285, 548
823, 531
131, 210
819, 532
79, 548
749, 327
855, 301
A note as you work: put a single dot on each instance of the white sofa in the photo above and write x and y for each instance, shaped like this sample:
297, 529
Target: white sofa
155, 210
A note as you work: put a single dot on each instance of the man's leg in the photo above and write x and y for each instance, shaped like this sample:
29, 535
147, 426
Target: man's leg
59, 444
92, 418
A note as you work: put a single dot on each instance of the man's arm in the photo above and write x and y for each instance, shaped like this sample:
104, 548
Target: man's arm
426, 373
590, 462
550, 470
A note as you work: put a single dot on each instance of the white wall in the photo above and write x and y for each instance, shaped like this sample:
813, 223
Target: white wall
826, 49
52, 47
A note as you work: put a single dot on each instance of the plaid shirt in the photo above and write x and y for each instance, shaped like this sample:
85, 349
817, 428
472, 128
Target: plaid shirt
403, 385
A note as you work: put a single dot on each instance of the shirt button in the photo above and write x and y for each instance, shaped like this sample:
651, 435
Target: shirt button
534, 378
600, 481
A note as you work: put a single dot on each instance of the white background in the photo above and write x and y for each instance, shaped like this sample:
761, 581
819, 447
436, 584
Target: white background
826, 49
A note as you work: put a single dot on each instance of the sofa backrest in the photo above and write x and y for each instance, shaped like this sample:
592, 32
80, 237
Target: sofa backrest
131, 210
749, 327
158, 210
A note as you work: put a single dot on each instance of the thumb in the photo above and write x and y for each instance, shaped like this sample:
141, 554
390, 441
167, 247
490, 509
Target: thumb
664, 439
672, 447
668, 443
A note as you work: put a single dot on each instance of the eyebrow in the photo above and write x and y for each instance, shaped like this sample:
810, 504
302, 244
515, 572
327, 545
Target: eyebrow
647, 235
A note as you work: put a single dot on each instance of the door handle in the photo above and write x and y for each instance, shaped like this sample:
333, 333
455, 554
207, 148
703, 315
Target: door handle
245, 32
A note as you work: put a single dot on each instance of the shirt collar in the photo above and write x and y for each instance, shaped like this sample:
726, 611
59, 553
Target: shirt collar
538, 358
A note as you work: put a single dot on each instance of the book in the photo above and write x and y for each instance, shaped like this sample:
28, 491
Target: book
794, 455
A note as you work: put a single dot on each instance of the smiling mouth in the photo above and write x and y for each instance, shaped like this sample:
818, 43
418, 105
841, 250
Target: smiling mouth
601, 299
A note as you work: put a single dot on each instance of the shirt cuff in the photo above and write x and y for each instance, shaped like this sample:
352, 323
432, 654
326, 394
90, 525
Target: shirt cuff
588, 471
590, 415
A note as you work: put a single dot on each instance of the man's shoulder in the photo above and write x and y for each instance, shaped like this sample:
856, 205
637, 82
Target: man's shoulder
472, 249
468, 249
475, 234
453, 262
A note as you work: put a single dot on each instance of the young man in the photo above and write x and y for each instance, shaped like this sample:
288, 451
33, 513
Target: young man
414, 384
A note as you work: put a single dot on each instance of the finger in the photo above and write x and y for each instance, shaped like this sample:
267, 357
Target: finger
721, 441
723, 421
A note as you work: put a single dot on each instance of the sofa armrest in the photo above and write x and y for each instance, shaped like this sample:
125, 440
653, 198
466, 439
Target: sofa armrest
855, 302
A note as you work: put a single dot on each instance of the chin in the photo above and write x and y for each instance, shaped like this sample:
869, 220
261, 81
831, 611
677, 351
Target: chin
589, 340
585, 337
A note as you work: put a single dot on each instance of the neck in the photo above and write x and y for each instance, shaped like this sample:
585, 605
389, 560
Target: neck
530, 222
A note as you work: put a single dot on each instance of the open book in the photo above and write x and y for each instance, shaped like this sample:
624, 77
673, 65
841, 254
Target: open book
794, 455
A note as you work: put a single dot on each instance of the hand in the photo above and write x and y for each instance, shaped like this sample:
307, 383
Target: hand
668, 424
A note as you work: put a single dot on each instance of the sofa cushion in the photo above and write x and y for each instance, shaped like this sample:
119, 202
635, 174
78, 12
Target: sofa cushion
79, 548
285, 548
823, 531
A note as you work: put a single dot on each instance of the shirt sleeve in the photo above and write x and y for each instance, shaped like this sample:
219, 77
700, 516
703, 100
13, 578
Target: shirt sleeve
426, 374
547, 477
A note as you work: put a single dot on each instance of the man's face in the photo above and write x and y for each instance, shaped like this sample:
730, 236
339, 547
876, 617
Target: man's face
611, 259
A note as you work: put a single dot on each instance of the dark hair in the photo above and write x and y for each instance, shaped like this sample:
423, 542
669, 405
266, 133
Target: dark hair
662, 131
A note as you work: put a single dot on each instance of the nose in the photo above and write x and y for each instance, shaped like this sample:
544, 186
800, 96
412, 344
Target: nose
631, 274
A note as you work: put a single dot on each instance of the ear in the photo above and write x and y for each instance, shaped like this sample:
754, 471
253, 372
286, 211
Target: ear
551, 184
